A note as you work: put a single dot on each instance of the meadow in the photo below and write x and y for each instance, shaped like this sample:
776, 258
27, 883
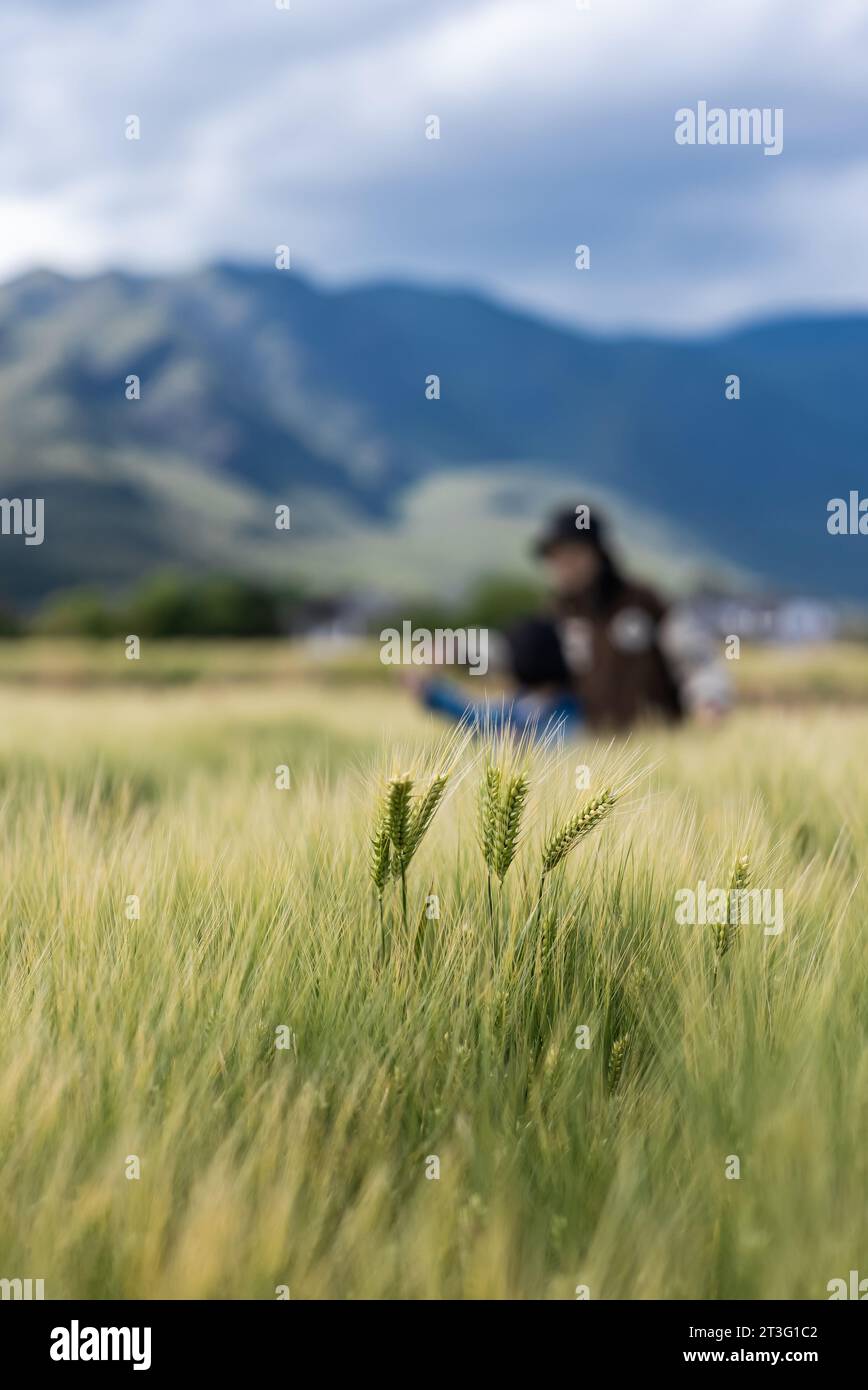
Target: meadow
224, 1072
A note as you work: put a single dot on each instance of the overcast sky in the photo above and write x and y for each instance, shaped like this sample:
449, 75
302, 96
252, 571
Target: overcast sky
307, 127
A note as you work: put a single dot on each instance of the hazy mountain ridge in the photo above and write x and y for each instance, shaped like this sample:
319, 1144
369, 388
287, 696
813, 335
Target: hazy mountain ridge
258, 388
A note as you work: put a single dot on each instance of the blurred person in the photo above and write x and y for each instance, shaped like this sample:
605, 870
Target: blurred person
608, 654
629, 657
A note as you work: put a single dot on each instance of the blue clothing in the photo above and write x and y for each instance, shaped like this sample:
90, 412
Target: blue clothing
535, 714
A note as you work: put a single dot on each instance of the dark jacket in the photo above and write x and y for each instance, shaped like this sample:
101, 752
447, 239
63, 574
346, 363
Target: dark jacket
611, 642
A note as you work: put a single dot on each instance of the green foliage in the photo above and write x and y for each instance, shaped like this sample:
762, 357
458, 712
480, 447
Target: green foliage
498, 601
78, 613
167, 606
10, 624
217, 606
495, 602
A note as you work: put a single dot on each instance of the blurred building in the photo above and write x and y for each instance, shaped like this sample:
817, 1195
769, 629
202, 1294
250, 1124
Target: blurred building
766, 619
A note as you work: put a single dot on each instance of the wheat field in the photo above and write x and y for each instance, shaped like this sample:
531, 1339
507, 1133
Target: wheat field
223, 1074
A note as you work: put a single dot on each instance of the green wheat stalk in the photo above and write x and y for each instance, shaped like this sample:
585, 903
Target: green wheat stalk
401, 828
510, 812
398, 801
616, 1061
380, 859
380, 865
421, 816
580, 825
725, 933
489, 815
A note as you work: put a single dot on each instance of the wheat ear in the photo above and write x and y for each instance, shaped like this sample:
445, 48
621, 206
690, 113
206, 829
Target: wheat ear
509, 823
489, 814
398, 822
398, 814
422, 815
725, 933
581, 824
379, 862
616, 1061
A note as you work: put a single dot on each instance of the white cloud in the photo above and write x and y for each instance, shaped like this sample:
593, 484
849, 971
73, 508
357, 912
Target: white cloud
261, 126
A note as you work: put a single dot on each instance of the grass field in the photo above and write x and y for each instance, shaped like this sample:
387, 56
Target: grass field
264, 1166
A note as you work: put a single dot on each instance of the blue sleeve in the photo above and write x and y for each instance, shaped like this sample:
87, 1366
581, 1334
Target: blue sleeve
450, 700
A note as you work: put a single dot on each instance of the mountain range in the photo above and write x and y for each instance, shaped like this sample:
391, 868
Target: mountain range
259, 388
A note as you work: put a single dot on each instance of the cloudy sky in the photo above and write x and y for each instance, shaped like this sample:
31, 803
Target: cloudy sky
262, 126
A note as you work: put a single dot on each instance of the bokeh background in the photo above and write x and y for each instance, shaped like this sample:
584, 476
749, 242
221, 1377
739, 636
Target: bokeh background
263, 127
